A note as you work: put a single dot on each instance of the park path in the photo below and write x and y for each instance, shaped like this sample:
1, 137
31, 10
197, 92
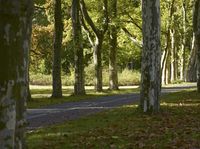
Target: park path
59, 113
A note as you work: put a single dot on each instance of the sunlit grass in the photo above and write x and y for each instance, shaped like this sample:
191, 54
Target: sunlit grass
176, 126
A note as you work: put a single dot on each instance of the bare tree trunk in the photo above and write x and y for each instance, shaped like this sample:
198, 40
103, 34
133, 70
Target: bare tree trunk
25, 91
15, 31
113, 76
151, 56
196, 27
58, 33
172, 57
79, 86
192, 66
98, 64
183, 52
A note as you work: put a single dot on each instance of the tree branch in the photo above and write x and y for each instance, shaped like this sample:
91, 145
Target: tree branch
88, 18
132, 38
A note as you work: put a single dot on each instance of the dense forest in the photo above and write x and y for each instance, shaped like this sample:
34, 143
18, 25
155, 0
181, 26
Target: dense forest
93, 43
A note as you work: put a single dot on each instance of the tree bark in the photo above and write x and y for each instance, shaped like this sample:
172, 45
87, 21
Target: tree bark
113, 76
172, 56
15, 31
196, 28
192, 66
79, 86
97, 53
58, 35
183, 52
151, 57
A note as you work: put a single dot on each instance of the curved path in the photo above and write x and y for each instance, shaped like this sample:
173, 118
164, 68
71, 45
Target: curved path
72, 110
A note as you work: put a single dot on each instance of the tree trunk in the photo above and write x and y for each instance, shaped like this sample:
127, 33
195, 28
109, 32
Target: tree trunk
151, 55
113, 76
192, 66
58, 33
79, 86
196, 27
98, 64
183, 52
15, 31
97, 44
172, 56
25, 91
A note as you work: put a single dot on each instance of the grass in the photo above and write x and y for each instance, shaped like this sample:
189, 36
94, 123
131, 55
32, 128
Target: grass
41, 96
176, 126
125, 77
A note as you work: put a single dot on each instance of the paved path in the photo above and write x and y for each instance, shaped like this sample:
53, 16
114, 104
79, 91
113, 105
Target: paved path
72, 110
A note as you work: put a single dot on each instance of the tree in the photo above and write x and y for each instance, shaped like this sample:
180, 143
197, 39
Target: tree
79, 86
192, 65
113, 77
151, 55
196, 29
15, 32
98, 41
58, 33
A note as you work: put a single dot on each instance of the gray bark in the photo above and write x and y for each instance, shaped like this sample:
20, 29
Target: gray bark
151, 57
58, 35
21, 104
196, 28
113, 76
192, 66
79, 86
15, 31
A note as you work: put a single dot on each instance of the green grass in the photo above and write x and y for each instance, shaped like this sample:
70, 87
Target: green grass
176, 126
41, 97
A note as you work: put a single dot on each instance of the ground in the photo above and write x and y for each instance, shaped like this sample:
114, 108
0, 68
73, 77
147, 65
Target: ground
176, 126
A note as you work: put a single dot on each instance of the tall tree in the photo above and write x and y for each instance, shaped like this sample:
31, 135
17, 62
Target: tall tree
96, 43
151, 55
192, 65
79, 86
57, 46
196, 28
15, 31
21, 104
113, 77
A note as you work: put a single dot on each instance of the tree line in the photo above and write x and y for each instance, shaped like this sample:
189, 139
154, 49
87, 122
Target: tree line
157, 66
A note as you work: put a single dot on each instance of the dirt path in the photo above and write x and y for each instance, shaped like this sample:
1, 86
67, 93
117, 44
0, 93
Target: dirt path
73, 110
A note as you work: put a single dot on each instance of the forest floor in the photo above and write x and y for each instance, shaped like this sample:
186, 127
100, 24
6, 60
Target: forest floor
176, 126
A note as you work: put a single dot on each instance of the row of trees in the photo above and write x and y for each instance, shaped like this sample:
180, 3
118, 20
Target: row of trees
15, 33
104, 27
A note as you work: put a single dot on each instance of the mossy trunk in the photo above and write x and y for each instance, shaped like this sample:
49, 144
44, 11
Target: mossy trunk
15, 34
151, 57
57, 46
79, 86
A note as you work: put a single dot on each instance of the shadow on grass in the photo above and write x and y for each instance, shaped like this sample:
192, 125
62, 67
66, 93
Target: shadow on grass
41, 97
176, 126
